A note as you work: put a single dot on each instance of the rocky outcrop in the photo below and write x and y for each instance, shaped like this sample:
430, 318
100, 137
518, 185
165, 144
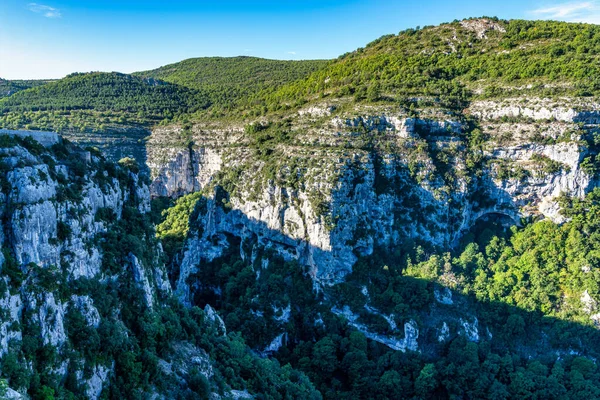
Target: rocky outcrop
180, 165
55, 211
46, 139
345, 200
407, 343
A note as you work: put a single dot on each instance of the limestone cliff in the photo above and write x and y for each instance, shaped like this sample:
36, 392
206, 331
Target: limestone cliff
55, 210
350, 180
372, 176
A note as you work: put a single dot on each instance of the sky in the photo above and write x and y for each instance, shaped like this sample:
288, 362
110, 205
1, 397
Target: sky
52, 38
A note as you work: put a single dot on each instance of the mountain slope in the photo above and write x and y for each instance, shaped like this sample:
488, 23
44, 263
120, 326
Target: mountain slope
455, 62
404, 184
98, 102
228, 80
419, 219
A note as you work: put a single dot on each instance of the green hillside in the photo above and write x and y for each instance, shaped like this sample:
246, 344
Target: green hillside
96, 101
226, 80
446, 65
453, 62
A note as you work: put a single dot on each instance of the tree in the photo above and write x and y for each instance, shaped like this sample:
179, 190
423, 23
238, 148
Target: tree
426, 381
324, 355
374, 92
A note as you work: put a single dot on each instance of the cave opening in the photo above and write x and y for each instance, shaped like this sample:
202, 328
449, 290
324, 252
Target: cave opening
486, 227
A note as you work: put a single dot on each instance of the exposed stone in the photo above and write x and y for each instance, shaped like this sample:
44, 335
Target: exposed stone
470, 329
443, 295
139, 274
47, 232
275, 344
94, 385
588, 303
444, 334
46, 139
212, 316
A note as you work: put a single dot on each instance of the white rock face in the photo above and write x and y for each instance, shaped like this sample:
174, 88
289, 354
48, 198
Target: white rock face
360, 212
543, 189
481, 26
317, 111
443, 296
51, 316
177, 169
240, 394
94, 385
409, 342
470, 329
188, 171
52, 238
444, 333
275, 344
85, 305
139, 274
45, 138
589, 305
215, 318
566, 110
282, 315
12, 394
14, 306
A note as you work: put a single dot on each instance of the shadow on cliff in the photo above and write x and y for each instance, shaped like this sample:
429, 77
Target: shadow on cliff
252, 273
442, 315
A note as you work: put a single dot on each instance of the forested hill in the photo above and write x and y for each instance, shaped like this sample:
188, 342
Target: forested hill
105, 92
99, 101
447, 65
9, 87
453, 63
228, 79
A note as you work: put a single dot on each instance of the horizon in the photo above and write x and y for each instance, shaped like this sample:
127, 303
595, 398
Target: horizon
57, 38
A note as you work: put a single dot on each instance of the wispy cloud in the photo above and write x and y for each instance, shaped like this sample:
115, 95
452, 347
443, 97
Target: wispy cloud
583, 11
292, 53
46, 11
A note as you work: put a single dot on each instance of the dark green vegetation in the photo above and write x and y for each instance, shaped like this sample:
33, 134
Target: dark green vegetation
446, 65
227, 81
443, 65
97, 102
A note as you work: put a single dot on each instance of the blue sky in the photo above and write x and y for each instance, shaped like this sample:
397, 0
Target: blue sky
51, 38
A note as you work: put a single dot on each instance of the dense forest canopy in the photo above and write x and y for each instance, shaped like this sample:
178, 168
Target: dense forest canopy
524, 283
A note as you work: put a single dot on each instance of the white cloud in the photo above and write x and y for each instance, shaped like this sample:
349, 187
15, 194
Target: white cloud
566, 10
583, 11
292, 53
46, 11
